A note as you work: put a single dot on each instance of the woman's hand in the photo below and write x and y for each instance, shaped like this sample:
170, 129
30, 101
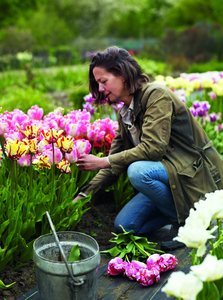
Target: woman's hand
89, 162
76, 198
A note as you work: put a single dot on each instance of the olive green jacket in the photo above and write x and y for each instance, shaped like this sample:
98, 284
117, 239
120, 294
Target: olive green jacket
168, 133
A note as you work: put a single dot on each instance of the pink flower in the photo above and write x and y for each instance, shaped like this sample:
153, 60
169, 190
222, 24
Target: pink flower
148, 277
4, 126
35, 112
14, 135
169, 261
116, 266
24, 161
133, 268
49, 153
72, 157
212, 95
83, 146
94, 133
153, 261
73, 129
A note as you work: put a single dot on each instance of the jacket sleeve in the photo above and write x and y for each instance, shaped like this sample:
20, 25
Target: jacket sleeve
156, 129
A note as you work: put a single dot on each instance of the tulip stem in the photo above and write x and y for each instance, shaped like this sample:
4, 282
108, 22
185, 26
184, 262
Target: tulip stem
53, 172
61, 187
12, 175
30, 176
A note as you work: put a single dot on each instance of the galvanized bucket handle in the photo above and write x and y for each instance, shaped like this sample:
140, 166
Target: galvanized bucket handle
73, 281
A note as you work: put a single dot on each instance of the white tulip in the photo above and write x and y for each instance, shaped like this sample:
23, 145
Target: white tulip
185, 286
199, 218
211, 269
213, 202
195, 237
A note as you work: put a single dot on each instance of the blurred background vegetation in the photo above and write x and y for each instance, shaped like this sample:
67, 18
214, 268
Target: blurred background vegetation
167, 37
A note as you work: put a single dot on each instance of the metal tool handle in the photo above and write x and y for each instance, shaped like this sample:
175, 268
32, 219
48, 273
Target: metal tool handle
59, 245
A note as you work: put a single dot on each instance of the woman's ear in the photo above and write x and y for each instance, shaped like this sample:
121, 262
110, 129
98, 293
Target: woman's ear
123, 79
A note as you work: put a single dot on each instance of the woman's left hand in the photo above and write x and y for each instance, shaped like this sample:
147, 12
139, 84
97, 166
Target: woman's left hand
89, 162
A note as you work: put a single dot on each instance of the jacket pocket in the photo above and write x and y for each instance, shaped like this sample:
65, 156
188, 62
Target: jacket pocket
197, 179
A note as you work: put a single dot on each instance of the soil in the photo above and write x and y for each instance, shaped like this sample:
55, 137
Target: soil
98, 222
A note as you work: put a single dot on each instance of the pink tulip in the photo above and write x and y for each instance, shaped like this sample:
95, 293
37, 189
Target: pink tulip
94, 133
148, 277
169, 261
57, 155
4, 126
72, 157
83, 146
133, 268
35, 112
153, 261
73, 129
14, 135
24, 161
212, 95
116, 266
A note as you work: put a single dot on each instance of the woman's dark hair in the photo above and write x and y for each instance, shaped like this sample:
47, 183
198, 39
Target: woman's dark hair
119, 62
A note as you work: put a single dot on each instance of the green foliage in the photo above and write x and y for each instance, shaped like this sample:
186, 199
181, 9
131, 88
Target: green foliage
122, 191
76, 95
130, 247
153, 68
212, 65
23, 214
23, 98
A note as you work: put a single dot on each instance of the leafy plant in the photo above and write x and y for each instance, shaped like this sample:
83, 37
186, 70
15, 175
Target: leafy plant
130, 247
75, 254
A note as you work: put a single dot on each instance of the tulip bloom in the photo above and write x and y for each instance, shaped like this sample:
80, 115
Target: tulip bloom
32, 144
72, 157
35, 113
1, 154
51, 135
31, 131
15, 149
49, 153
65, 144
183, 286
4, 126
133, 268
83, 146
41, 161
116, 266
64, 166
24, 161
148, 277
210, 269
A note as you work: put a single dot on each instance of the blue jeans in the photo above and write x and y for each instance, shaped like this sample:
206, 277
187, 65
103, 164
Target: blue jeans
153, 207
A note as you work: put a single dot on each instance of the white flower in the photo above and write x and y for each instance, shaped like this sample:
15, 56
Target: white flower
213, 203
199, 218
185, 286
211, 269
195, 237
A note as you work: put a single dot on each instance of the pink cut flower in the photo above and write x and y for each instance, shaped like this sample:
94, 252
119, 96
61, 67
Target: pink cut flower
116, 266
169, 261
35, 112
83, 146
73, 156
153, 261
73, 129
133, 268
49, 153
148, 277
24, 161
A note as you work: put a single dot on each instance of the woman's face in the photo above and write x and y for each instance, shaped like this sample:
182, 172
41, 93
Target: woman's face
112, 86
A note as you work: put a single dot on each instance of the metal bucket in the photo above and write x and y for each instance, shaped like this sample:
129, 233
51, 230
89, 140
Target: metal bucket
71, 280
